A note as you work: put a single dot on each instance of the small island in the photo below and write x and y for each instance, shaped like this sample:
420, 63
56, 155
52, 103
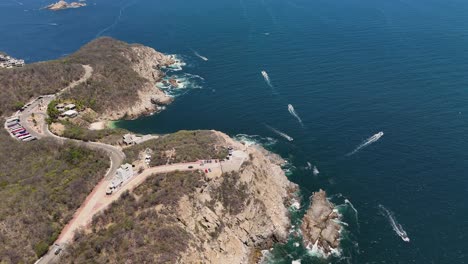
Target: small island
60, 5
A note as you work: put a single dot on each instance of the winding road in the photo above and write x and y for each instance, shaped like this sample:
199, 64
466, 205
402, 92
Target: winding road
37, 110
97, 200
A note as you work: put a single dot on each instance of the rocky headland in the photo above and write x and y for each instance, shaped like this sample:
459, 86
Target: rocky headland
60, 5
320, 226
243, 224
225, 216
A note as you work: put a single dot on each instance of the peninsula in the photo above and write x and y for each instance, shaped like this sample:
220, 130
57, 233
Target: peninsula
60, 5
190, 196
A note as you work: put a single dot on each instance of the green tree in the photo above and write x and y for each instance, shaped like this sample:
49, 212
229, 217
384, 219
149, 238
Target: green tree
52, 111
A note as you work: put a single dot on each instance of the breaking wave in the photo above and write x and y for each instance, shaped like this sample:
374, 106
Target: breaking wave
393, 222
250, 140
178, 64
366, 143
200, 56
292, 111
179, 84
284, 135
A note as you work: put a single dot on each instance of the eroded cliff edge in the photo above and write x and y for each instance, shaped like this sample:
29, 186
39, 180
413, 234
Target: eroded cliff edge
224, 216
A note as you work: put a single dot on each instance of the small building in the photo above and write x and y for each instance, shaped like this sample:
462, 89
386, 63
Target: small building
70, 107
69, 113
60, 107
131, 139
123, 174
128, 139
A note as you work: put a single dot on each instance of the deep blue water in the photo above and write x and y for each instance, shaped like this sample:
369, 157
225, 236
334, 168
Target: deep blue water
350, 68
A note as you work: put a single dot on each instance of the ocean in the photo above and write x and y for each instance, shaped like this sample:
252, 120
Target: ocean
350, 69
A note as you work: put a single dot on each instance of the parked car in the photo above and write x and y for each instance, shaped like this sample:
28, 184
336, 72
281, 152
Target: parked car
16, 129
12, 124
57, 251
190, 167
23, 136
20, 133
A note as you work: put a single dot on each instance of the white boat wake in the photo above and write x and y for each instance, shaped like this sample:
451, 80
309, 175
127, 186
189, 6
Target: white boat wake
267, 78
116, 21
367, 142
395, 225
280, 133
200, 56
292, 111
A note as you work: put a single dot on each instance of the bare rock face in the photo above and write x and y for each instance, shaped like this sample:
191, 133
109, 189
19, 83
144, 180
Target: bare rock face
147, 62
60, 5
320, 228
232, 221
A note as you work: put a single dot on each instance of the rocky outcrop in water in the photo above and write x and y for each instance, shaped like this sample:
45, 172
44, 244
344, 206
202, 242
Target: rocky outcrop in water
60, 5
320, 226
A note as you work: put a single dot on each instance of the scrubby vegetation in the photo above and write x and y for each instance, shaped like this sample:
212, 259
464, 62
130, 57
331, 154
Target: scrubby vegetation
107, 135
232, 193
187, 146
114, 84
41, 186
132, 229
19, 85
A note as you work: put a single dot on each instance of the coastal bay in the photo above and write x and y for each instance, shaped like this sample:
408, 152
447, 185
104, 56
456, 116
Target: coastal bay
350, 69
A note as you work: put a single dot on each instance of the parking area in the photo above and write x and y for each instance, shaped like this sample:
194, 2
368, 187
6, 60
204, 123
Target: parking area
14, 127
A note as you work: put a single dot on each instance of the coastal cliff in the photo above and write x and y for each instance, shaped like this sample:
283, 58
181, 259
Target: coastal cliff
223, 216
250, 215
147, 62
123, 84
320, 226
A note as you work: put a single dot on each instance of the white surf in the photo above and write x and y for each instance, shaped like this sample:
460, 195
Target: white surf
280, 133
200, 56
292, 111
395, 225
309, 166
366, 143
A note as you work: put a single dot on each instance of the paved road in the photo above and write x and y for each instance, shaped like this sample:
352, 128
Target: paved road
39, 107
97, 200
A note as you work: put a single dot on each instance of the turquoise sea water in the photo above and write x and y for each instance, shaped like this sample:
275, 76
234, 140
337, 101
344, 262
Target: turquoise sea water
350, 68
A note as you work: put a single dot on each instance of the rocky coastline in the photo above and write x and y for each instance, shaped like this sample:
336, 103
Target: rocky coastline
261, 220
320, 226
147, 63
